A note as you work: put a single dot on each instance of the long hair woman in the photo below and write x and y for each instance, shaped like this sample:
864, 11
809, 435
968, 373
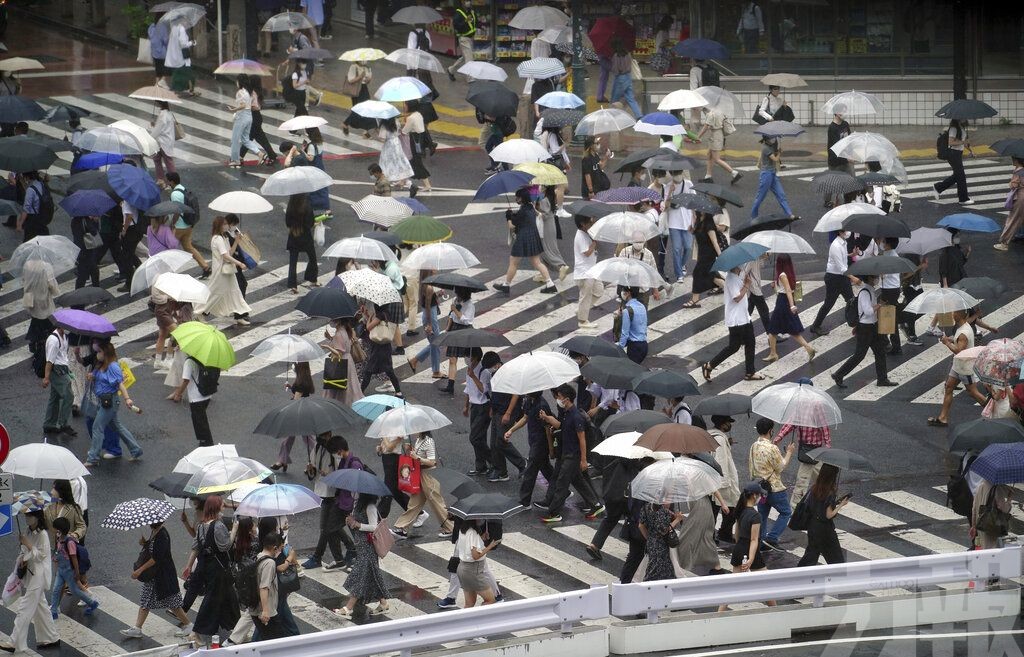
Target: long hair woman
341, 344
219, 609
359, 73
255, 87
298, 218
824, 505
547, 226
242, 124
429, 308
393, 162
472, 553
301, 387
225, 296
416, 129
527, 243
461, 314
159, 580
746, 555
378, 357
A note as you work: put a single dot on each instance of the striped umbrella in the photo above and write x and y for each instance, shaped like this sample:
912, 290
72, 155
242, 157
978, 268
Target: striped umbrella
381, 210
627, 195
137, 513
835, 183
540, 68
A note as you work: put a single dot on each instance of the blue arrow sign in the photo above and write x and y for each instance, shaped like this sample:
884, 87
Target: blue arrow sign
6, 521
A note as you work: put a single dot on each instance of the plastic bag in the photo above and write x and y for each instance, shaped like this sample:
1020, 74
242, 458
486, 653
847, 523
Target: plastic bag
319, 234
13, 589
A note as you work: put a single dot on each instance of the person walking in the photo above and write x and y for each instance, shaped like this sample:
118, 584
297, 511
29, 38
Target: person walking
267, 622
301, 386
159, 580
737, 320
179, 62
616, 475
991, 503
57, 377
158, 34
211, 559
298, 84
958, 142
365, 582
358, 80
256, 133
547, 227
107, 382
32, 608
477, 407
769, 162
959, 373
85, 234
868, 337
595, 159
132, 231
657, 521
429, 309
197, 401
541, 450
721, 425
342, 345
461, 314
746, 553
162, 130
784, 319
182, 228
37, 208
768, 108
755, 300
242, 124
471, 549
298, 218
527, 243
806, 439
837, 282
326, 458
419, 143
824, 504
889, 294
1015, 203
393, 163
503, 413
464, 23
225, 298
425, 453
378, 357
715, 123
571, 466
751, 27
679, 222
584, 250
765, 462
633, 335
622, 77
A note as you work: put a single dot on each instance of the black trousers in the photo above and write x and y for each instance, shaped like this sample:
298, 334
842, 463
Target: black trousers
257, 134
728, 521
614, 509
739, 336
757, 301
822, 541
836, 285
635, 555
538, 462
637, 351
503, 451
388, 371
891, 296
332, 531
389, 463
243, 282
112, 243
129, 242
87, 267
567, 472
868, 338
908, 320
274, 629
200, 422
479, 421
957, 177
370, 13
312, 270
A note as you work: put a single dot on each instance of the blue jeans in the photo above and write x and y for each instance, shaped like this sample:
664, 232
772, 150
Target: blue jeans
622, 87
770, 180
778, 500
111, 440
435, 352
66, 575
240, 135
682, 249
105, 417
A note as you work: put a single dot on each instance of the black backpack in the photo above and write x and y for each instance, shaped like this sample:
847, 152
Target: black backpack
192, 201
422, 40
709, 76
852, 311
46, 208
246, 580
506, 124
942, 145
801, 518
958, 493
206, 378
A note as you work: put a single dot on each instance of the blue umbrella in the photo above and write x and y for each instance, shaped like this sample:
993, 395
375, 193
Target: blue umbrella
133, 185
659, 123
779, 129
357, 481
701, 49
560, 100
1001, 463
738, 254
87, 203
372, 406
417, 207
96, 160
970, 222
502, 182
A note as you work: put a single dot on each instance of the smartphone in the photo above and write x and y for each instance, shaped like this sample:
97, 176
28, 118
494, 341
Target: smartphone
846, 497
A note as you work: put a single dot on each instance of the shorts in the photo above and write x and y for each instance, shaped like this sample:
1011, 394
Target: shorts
158, 66
966, 379
741, 550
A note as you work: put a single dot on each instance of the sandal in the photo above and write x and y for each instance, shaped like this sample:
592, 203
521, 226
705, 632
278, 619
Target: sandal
936, 422
754, 377
691, 304
705, 369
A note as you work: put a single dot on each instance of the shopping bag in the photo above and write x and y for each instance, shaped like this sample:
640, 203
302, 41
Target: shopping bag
129, 376
887, 319
798, 292
944, 319
145, 55
13, 589
408, 474
246, 242
319, 234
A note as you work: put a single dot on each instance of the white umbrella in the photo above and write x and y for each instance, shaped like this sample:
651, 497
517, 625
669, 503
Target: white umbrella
149, 145
852, 103
172, 260
370, 285
407, 420
413, 58
57, 251
43, 461
780, 241
296, 180
200, 457
675, 481
627, 272
834, 218
182, 287
20, 64
375, 109
188, 13
278, 500
541, 68
865, 147
302, 122
923, 241
724, 101
227, 474
240, 202
381, 210
288, 348
401, 89
417, 15
604, 121
440, 256
518, 151
682, 99
941, 300
624, 227
155, 93
538, 370
360, 248
538, 17
798, 404
110, 140
483, 71
622, 445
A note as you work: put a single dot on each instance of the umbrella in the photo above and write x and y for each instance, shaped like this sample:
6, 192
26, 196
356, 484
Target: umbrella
168, 208
296, 180
778, 241
360, 248
84, 296
134, 185
186, 12
659, 123
701, 49
384, 211
43, 461
62, 113
612, 372
638, 421
413, 58
788, 80
717, 191
835, 183
14, 64
155, 93
440, 256
173, 484
486, 506
200, 457
8, 207
675, 481
724, 101
309, 54
29, 501
612, 28
205, 344
865, 147
304, 122
423, 229
371, 407
981, 287
636, 161
242, 67
375, 109
450, 281
695, 202
236, 496
670, 161
289, 20
107, 139
738, 254
1001, 463
852, 103
390, 239
538, 17
83, 322
560, 118
483, 71
455, 483
148, 143
982, 432
677, 439
723, 404
401, 89
664, 383
622, 227
363, 55
591, 209
880, 265
516, 151
57, 251
416, 15
21, 156
628, 196
876, 225
136, 513
923, 241
798, 404
503, 182
1009, 147
970, 222
966, 109
604, 121
240, 202
999, 364
307, 416
226, 475
534, 371
541, 68
560, 100
288, 348
627, 272
277, 500
493, 98
779, 129
543, 173
622, 445
833, 219
370, 285
357, 481
172, 260
941, 300
18, 108
842, 459
763, 222
875, 178
591, 345
407, 420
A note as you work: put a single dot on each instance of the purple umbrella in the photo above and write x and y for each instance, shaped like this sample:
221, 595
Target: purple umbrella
133, 185
627, 196
83, 322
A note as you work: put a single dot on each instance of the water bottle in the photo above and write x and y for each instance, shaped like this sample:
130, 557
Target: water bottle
215, 641
137, 410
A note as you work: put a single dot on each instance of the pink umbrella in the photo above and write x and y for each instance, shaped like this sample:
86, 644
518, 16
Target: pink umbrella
999, 362
242, 67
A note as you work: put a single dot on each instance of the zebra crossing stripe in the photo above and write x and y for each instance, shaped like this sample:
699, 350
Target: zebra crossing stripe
556, 559
928, 541
84, 639
508, 578
870, 518
918, 504
335, 580
125, 611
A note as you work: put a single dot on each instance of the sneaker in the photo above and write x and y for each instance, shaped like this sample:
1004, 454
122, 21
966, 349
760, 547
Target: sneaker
736, 175
914, 340
398, 351
385, 387
499, 598
595, 513
540, 505
421, 519
132, 633
183, 631
935, 193
771, 545
549, 289
594, 552
537, 278
562, 213
501, 287
443, 534
91, 608
311, 562
447, 603
399, 533
476, 473
999, 246
563, 271
498, 478
107, 456
817, 330
551, 519
334, 565
935, 331
969, 201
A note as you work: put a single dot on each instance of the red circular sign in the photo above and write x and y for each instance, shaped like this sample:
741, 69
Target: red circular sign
5, 443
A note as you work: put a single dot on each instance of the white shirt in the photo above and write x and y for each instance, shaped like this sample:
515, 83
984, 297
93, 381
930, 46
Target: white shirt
466, 542
477, 393
890, 281
57, 349
751, 18
870, 250
412, 43
696, 77
866, 305
468, 313
959, 366
581, 261
681, 414
243, 101
837, 257
735, 311
769, 106
189, 372
163, 132
80, 489
678, 218
177, 40
628, 401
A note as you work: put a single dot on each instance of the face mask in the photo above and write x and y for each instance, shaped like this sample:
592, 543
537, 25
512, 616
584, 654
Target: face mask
664, 180
638, 246
560, 402
678, 178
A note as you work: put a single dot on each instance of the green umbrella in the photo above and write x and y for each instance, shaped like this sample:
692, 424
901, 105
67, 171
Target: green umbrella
422, 229
206, 344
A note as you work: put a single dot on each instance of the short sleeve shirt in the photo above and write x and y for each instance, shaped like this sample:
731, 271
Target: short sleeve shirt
266, 577
536, 429
57, 349
582, 262
107, 381
190, 372
572, 423
425, 449
766, 463
766, 163
736, 313
466, 542
748, 518
32, 197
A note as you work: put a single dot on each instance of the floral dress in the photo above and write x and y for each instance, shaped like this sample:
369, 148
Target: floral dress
657, 520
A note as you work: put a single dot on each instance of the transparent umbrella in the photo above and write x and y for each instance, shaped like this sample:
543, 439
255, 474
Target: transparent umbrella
188, 13
483, 71
277, 500
440, 256
360, 248
724, 101
416, 15
57, 251
866, 147
798, 404
296, 180
289, 348
171, 260
675, 481
538, 17
623, 227
149, 145
626, 272
941, 300
413, 58
780, 241
604, 121
833, 219
852, 103
106, 139
923, 241
406, 421
200, 457
289, 20
401, 89
182, 288
225, 475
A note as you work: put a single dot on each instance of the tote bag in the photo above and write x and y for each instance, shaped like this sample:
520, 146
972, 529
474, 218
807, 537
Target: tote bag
408, 474
382, 538
145, 55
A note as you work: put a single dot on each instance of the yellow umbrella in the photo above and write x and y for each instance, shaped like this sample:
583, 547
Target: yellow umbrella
543, 173
362, 55
20, 64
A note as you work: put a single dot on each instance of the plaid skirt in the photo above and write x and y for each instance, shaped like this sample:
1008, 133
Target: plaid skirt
394, 312
458, 352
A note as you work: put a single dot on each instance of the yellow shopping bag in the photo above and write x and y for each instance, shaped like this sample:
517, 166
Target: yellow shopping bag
129, 376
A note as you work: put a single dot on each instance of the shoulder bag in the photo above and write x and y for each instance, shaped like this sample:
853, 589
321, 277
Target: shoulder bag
145, 554
335, 373
801, 518
382, 333
382, 538
288, 581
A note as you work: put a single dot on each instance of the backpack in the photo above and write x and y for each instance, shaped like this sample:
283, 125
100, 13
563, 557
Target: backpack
852, 311
958, 492
288, 91
46, 208
206, 378
942, 145
710, 76
84, 562
246, 580
507, 125
422, 40
192, 201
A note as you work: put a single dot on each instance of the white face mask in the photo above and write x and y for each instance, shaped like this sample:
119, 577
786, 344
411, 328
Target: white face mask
638, 246
665, 180
560, 402
678, 178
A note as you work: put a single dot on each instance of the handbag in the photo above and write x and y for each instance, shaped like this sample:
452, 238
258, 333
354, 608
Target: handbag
179, 132
288, 581
728, 127
382, 333
145, 55
453, 565
319, 234
352, 88
672, 537
21, 570
784, 113
245, 241
145, 555
241, 254
991, 519
408, 475
92, 240
335, 373
801, 453
228, 268
383, 540
757, 118
357, 351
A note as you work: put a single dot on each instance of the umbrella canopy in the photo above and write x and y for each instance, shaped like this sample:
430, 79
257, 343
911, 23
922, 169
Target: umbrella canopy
242, 67
591, 209
483, 71
835, 183
560, 118
186, 12
29, 501
370, 285
168, 208
664, 383
724, 101
842, 459
541, 68
718, 191
371, 407
966, 109
8, 207
83, 322
833, 219
357, 481
226, 475
423, 229
43, 461
200, 457
981, 287
1009, 147
865, 147
723, 404
622, 445
623, 227
852, 103
148, 143
289, 20
375, 109
205, 343
695, 202
296, 180
62, 113
880, 265
628, 196
538, 17
416, 15
360, 248
560, 100
627, 272
440, 256
604, 121
304, 122
236, 496
999, 364
534, 371
612, 372
134, 185
982, 432
155, 93
543, 173
659, 123
635, 421
172, 260
636, 161
486, 506
413, 58
970, 222
182, 288
277, 500
18, 108
798, 404
493, 98
21, 156
240, 202
876, 225
407, 420
288, 348
450, 281
57, 251
383, 211
681, 99
503, 182
136, 513
780, 129
700, 49
401, 89
13, 64
309, 54
941, 300
516, 151
107, 139
307, 416
608, 29
675, 481
737, 255
390, 239
1001, 463
173, 484
591, 345
677, 438
779, 241
670, 161
923, 241
762, 222
83, 296
363, 55
875, 178
788, 80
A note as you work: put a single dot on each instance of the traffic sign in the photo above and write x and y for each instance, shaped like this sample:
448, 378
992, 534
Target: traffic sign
6, 489
6, 522
5, 443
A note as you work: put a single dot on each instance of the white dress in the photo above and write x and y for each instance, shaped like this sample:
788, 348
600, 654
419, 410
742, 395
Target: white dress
393, 161
225, 296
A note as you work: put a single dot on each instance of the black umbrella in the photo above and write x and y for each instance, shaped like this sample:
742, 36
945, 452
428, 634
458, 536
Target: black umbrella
724, 404
773, 221
486, 506
455, 483
560, 118
22, 155
450, 280
981, 287
592, 209
8, 208
329, 302
979, 434
94, 179
19, 108
83, 296
878, 265
841, 459
167, 208
878, 178
493, 98
173, 485
639, 421
720, 192
617, 373
696, 202
876, 225
55, 145
665, 383
669, 161
308, 416
591, 345
62, 113
472, 337
635, 161
836, 183
383, 237
1009, 147
357, 481
966, 109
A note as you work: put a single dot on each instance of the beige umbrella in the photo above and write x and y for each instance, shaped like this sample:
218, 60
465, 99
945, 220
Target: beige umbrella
788, 80
20, 64
154, 93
